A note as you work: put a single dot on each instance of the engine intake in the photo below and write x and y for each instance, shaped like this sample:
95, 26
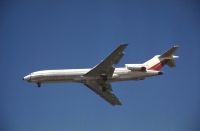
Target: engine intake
136, 67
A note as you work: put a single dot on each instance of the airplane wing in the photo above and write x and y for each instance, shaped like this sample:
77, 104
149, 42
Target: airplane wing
105, 67
102, 72
107, 94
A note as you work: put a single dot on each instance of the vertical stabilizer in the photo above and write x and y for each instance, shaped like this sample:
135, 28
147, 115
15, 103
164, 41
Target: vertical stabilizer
158, 61
170, 57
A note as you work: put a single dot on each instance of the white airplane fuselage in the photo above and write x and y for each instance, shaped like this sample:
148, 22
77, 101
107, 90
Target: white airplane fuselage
99, 77
77, 75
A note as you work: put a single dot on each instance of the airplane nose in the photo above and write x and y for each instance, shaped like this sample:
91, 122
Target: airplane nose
27, 78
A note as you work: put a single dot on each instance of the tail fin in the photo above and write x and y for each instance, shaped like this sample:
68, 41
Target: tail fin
158, 61
170, 57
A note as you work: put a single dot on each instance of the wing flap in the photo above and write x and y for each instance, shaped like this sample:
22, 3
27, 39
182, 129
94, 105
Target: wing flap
106, 95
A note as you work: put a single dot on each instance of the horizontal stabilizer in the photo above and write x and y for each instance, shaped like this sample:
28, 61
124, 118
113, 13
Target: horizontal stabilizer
170, 53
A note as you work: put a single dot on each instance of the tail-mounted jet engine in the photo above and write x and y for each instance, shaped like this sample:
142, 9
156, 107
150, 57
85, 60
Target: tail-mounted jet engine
135, 67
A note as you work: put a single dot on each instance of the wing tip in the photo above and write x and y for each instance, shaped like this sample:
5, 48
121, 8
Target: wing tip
117, 103
124, 44
176, 46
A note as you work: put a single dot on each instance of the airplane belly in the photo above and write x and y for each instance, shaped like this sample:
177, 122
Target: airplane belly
63, 78
56, 78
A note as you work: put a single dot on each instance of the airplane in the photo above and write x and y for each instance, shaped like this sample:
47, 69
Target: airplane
99, 78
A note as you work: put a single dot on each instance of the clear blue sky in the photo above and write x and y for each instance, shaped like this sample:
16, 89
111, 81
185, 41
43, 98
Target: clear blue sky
50, 34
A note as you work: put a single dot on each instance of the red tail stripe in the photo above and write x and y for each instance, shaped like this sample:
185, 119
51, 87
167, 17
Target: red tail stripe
157, 67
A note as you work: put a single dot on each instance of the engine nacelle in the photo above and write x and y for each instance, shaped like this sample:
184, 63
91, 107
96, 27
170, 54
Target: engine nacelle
135, 67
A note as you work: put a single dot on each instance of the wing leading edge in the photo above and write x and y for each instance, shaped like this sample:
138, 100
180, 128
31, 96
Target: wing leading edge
102, 72
105, 67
